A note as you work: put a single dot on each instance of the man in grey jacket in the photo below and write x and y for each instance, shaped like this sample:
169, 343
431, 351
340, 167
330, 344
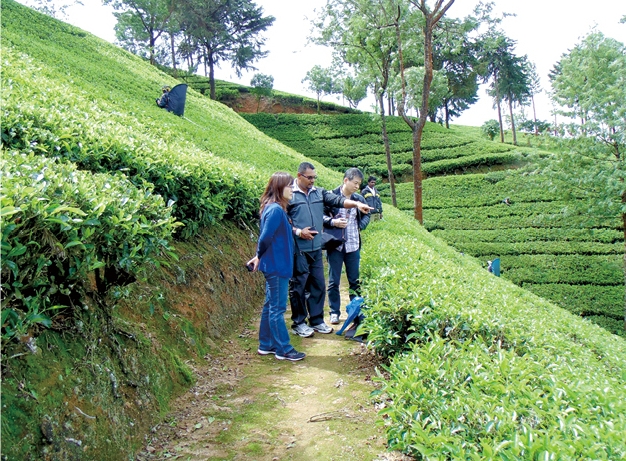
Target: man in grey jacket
307, 288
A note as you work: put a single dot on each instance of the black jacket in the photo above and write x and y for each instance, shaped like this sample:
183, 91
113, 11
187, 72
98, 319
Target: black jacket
362, 219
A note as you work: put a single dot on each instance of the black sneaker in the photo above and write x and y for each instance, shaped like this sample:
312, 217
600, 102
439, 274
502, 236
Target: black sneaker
292, 356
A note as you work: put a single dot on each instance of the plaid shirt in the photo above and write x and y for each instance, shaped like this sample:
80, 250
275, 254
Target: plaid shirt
352, 229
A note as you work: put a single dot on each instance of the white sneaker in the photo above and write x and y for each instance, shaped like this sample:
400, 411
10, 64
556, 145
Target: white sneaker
322, 328
303, 330
334, 319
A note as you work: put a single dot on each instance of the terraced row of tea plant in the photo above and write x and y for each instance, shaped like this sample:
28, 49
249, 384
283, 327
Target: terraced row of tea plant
475, 360
344, 141
566, 265
540, 247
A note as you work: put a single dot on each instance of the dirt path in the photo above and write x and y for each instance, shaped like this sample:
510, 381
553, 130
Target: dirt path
248, 407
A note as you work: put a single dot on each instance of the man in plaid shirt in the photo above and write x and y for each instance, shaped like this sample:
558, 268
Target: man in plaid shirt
352, 221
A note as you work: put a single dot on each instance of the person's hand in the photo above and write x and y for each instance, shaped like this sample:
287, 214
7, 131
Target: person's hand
364, 208
341, 223
255, 264
308, 234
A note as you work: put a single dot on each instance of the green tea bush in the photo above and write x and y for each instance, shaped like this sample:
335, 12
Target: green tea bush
478, 248
479, 368
60, 224
530, 234
592, 269
585, 300
45, 117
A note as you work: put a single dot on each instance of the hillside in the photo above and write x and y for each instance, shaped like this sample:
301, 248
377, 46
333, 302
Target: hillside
578, 266
96, 181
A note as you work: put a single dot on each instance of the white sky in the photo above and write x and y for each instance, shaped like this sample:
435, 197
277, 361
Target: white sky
543, 29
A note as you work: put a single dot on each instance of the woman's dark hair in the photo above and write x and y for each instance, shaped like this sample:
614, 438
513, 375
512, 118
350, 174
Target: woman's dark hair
274, 190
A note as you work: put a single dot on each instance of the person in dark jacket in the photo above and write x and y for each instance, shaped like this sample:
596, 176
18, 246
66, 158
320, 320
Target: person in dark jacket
307, 290
372, 197
348, 254
275, 259
164, 99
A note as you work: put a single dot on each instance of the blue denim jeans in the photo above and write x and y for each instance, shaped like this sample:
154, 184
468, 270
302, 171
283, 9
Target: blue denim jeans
336, 260
273, 334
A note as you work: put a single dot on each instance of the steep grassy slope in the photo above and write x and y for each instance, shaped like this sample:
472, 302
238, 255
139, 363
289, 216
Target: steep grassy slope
434, 311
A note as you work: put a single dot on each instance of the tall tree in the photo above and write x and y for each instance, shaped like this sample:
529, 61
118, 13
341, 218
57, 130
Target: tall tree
513, 84
431, 18
496, 50
589, 87
141, 22
361, 35
320, 82
262, 85
225, 30
353, 89
535, 89
455, 54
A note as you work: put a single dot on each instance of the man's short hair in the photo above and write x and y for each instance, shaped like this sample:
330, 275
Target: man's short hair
372, 178
353, 173
305, 166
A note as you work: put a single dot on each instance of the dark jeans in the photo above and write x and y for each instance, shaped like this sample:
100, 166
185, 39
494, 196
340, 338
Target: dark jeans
337, 259
273, 334
307, 288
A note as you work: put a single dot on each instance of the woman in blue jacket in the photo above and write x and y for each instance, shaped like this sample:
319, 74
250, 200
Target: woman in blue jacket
274, 258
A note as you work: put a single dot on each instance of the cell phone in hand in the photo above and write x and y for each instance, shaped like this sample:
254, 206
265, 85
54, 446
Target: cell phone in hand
250, 267
313, 230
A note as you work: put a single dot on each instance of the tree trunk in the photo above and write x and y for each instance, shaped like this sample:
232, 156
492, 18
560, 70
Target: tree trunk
151, 47
447, 115
512, 123
173, 47
211, 74
500, 119
535, 116
624, 230
418, 129
392, 180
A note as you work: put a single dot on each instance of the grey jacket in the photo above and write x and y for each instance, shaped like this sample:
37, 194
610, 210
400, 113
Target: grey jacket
308, 211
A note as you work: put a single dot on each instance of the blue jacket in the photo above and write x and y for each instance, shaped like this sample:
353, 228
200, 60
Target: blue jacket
308, 210
275, 248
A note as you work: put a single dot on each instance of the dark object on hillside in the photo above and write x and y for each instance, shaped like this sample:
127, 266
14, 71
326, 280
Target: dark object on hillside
507, 201
494, 267
174, 100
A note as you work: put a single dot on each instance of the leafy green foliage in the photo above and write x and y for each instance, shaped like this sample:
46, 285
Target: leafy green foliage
479, 368
203, 188
59, 225
491, 128
541, 247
